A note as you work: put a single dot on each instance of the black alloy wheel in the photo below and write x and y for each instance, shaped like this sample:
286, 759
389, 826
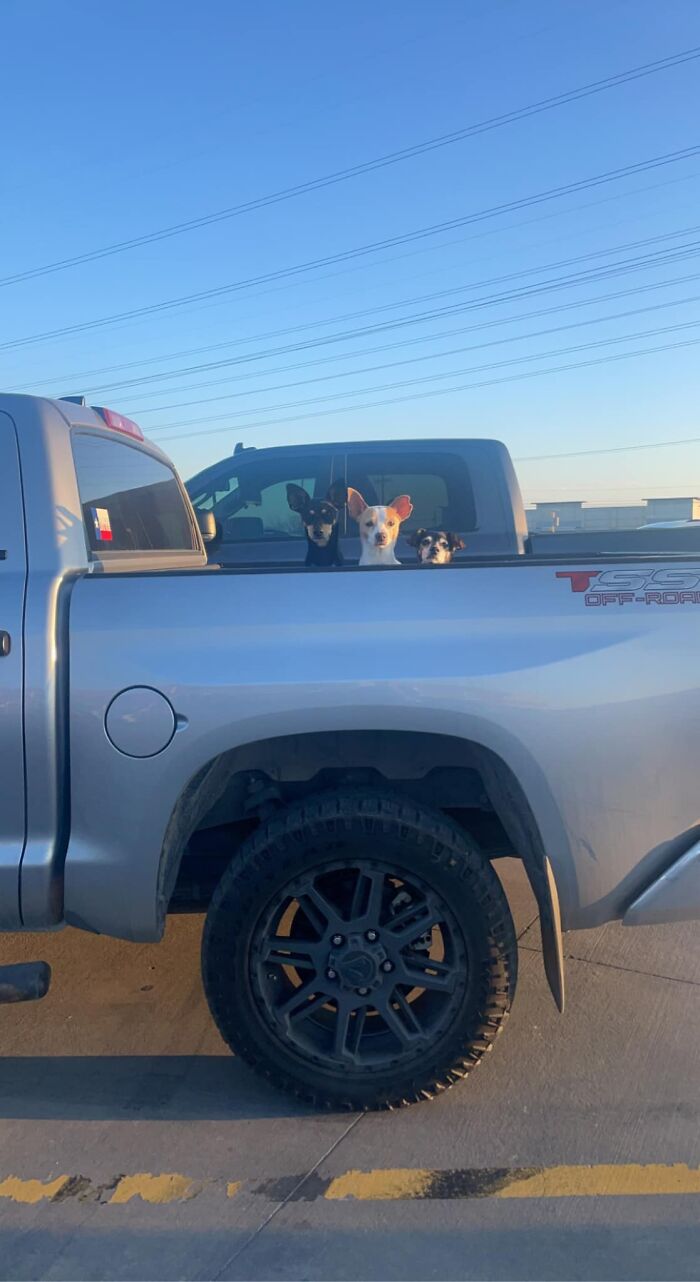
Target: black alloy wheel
359, 951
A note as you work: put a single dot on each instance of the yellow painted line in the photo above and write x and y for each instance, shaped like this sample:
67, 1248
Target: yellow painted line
629, 1180
622, 1180
379, 1186
395, 1184
31, 1191
156, 1189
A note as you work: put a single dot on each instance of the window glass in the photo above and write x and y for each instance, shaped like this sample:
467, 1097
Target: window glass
438, 486
251, 502
131, 501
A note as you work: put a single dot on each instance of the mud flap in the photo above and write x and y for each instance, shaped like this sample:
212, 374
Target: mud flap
550, 929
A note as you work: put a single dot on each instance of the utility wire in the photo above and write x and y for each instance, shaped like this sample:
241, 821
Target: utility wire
547, 286
613, 449
72, 379
413, 360
428, 378
483, 283
355, 171
480, 325
614, 175
445, 391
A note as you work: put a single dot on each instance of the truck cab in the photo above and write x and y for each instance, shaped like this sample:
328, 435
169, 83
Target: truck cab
469, 486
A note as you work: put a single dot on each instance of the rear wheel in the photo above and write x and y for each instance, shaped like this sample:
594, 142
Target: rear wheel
360, 952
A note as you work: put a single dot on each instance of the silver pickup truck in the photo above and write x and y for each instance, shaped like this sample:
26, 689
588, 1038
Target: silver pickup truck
329, 762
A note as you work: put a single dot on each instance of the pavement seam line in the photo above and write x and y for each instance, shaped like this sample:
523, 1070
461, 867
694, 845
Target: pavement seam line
281, 1204
628, 970
526, 928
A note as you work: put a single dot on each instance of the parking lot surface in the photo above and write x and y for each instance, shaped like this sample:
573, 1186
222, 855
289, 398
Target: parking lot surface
132, 1145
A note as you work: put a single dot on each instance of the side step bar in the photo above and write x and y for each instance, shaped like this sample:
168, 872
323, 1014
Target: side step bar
24, 982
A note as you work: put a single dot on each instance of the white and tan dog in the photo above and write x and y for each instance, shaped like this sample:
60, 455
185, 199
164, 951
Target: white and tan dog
379, 527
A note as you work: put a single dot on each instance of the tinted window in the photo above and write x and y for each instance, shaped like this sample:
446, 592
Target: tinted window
249, 496
437, 484
131, 502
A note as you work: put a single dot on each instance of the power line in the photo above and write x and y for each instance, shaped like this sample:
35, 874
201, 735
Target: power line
75, 378
428, 378
355, 171
445, 391
614, 175
413, 360
612, 449
459, 330
516, 295
484, 282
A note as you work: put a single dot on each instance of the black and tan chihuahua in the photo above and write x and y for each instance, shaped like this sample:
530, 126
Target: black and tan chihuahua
320, 520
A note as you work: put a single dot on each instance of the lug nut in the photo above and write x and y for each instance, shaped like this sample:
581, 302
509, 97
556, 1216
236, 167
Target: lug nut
387, 966
363, 992
330, 973
372, 936
336, 940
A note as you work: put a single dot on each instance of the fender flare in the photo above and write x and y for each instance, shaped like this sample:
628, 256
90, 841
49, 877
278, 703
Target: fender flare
504, 792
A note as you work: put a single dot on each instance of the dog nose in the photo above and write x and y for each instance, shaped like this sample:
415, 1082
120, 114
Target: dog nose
380, 538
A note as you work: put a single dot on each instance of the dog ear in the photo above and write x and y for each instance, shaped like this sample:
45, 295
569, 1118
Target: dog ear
455, 542
414, 539
338, 494
297, 498
356, 503
403, 506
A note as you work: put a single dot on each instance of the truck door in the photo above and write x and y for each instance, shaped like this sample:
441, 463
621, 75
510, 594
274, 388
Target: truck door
13, 572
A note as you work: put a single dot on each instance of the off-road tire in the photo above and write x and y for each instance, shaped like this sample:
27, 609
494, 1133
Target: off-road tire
434, 848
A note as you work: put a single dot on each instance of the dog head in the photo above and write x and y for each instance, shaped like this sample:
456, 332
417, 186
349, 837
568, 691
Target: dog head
435, 547
319, 516
379, 526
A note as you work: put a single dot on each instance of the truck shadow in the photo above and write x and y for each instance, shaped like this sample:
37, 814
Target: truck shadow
137, 1087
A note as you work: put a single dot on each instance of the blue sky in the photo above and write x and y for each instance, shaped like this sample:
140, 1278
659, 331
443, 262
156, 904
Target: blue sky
132, 117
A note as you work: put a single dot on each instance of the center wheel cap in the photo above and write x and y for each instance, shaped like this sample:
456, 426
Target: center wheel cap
358, 968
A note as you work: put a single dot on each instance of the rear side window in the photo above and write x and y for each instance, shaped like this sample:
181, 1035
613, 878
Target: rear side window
131, 501
438, 485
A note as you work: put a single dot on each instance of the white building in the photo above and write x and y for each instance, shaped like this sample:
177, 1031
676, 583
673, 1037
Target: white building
569, 515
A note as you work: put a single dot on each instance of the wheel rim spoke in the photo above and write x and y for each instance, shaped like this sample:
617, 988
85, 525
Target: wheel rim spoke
302, 1003
423, 972
321, 914
407, 1012
407, 1036
367, 897
281, 950
413, 921
357, 1027
342, 1029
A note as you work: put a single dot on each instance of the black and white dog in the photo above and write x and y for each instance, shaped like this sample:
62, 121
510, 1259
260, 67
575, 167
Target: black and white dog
435, 547
320, 520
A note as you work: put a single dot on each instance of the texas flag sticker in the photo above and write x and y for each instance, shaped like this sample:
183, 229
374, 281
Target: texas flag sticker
101, 522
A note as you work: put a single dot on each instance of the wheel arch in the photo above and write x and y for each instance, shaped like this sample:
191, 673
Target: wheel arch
393, 755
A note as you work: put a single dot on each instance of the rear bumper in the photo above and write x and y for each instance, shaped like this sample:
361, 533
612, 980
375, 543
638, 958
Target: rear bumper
674, 896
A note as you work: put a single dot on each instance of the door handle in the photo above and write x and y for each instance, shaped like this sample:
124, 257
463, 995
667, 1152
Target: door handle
5, 644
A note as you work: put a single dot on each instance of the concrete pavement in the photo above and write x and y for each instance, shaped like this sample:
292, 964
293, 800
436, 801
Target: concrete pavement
132, 1145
